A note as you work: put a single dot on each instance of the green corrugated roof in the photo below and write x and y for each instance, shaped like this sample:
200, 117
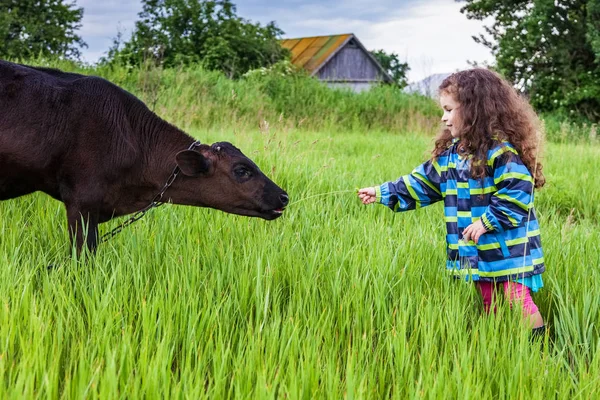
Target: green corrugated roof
311, 53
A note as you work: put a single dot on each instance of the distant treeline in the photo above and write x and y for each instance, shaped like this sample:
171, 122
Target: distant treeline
550, 50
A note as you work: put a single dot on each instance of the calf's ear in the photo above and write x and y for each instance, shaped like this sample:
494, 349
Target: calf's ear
192, 163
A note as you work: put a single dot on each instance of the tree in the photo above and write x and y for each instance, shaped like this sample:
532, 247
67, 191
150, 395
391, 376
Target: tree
174, 32
391, 63
549, 49
30, 28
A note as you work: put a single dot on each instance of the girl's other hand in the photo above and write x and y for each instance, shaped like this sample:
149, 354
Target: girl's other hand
474, 231
367, 195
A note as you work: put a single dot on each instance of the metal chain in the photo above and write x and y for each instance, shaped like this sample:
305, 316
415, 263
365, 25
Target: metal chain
156, 202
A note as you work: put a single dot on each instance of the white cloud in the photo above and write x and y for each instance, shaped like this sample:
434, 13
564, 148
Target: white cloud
431, 35
433, 38
101, 22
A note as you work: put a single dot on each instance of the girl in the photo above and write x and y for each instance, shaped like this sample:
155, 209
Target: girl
484, 167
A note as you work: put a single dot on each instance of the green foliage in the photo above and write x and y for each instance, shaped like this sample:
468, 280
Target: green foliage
593, 31
32, 28
280, 68
195, 303
175, 32
391, 63
334, 300
279, 95
549, 49
284, 96
560, 129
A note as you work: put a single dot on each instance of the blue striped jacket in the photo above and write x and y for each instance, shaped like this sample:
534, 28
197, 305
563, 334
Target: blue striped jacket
511, 248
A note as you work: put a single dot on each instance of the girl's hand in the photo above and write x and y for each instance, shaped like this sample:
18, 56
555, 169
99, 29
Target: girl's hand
367, 195
474, 231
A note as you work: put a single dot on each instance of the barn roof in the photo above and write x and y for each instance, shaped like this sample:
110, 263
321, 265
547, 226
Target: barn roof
312, 53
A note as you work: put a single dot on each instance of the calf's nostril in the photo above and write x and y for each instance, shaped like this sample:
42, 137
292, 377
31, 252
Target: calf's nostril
284, 199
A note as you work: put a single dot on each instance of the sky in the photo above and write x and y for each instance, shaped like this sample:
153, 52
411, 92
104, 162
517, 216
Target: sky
431, 35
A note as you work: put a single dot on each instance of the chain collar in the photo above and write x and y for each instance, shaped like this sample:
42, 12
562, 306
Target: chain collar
156, 202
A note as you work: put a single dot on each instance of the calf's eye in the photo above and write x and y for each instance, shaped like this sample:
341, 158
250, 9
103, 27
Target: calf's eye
243, 172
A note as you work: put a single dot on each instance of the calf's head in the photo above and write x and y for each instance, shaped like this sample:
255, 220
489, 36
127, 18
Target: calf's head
220, 176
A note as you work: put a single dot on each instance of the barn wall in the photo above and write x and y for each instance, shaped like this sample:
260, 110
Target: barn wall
354, 86
350, 63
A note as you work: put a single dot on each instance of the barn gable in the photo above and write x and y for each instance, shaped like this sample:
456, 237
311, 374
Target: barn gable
338, 60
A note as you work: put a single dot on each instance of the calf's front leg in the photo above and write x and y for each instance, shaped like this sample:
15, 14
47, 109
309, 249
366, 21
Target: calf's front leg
83, 227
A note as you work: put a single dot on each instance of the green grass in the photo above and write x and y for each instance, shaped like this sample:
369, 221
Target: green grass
333, 300
195, 98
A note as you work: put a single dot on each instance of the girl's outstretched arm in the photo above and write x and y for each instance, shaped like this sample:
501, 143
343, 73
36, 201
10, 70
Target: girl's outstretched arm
418, 189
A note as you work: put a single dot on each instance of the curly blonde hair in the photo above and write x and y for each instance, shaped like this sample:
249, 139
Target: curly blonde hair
491, 111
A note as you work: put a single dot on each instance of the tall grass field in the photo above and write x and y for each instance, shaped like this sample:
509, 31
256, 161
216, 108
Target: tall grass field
333, 300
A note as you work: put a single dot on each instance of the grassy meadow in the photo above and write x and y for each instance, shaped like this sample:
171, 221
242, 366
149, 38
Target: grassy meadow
333, 300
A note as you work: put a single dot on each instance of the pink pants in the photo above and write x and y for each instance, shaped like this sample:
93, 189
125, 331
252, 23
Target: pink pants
514, 291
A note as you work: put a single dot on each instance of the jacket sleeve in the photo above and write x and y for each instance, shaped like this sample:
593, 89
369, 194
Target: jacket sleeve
511, 203
418, 189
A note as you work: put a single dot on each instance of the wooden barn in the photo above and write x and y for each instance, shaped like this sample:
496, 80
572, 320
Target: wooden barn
338, 60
